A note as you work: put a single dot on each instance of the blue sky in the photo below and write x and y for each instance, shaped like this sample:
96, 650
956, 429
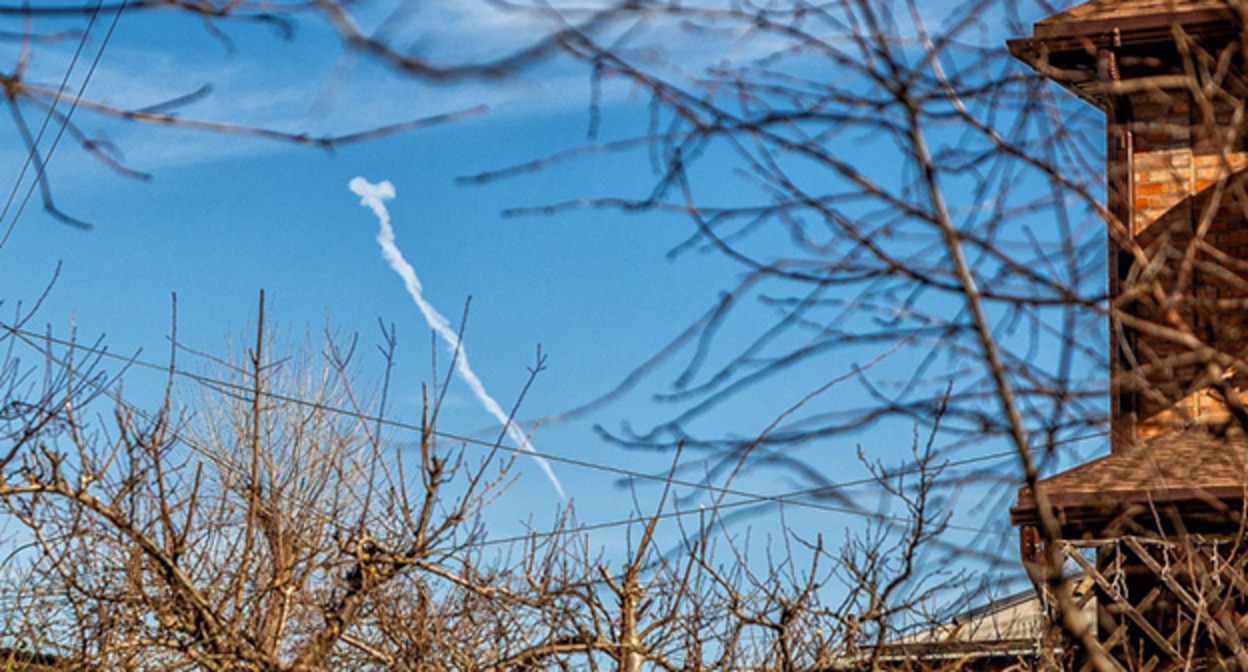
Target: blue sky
225, 217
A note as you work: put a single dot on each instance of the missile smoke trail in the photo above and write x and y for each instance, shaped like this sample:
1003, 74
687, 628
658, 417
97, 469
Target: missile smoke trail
374, 197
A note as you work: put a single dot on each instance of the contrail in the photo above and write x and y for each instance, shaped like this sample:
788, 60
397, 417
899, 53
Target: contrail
374, 197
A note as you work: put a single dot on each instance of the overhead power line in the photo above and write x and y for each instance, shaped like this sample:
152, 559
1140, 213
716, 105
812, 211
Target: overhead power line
47, 118
794, 498
32, 155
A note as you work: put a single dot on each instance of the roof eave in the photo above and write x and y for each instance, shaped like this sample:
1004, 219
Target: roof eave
1067, 51
1138, 29
1082, 511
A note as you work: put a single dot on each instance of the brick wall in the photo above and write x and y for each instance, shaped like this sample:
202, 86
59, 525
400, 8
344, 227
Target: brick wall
1184, 182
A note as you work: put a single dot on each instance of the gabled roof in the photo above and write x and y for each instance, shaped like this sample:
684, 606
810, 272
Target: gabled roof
1194, 470
997, 635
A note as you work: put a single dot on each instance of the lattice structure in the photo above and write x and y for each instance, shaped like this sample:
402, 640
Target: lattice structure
1165, 604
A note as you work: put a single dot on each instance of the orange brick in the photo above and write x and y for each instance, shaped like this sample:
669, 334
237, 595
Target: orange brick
1151, 188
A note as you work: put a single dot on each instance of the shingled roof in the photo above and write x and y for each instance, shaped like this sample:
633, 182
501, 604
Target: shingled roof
1194, 471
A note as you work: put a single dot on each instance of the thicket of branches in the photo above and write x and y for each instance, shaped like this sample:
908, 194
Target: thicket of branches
914, 214
275, 521
905, 192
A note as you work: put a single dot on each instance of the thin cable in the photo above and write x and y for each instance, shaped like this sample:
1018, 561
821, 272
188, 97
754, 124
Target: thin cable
208, 381
43, 164
749, 497
43, 127
216, 382
782, 499
752, 498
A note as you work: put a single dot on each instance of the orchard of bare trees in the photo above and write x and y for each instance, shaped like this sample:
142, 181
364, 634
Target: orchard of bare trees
1015, 229
271, 523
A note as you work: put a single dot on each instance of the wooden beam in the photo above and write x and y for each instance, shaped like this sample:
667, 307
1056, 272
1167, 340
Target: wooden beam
1128, 609
1231, 641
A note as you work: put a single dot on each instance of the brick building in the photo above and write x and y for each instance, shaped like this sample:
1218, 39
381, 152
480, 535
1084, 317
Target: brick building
1157, 524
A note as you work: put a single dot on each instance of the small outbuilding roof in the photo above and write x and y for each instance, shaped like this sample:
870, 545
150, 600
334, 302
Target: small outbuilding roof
1004, 634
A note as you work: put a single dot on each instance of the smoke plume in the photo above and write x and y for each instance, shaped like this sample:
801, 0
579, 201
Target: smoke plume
374, 197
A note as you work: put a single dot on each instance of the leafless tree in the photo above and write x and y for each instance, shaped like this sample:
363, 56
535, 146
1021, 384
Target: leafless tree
44, 113
272, 521
914, 213
928, 219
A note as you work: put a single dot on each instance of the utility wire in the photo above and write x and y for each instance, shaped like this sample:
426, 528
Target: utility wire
47, 118
56, 141
790, 497
30, 338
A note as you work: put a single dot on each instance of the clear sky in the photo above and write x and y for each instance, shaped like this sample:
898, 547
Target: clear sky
227, 216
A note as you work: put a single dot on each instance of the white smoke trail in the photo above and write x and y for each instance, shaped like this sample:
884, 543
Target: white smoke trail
374, 197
